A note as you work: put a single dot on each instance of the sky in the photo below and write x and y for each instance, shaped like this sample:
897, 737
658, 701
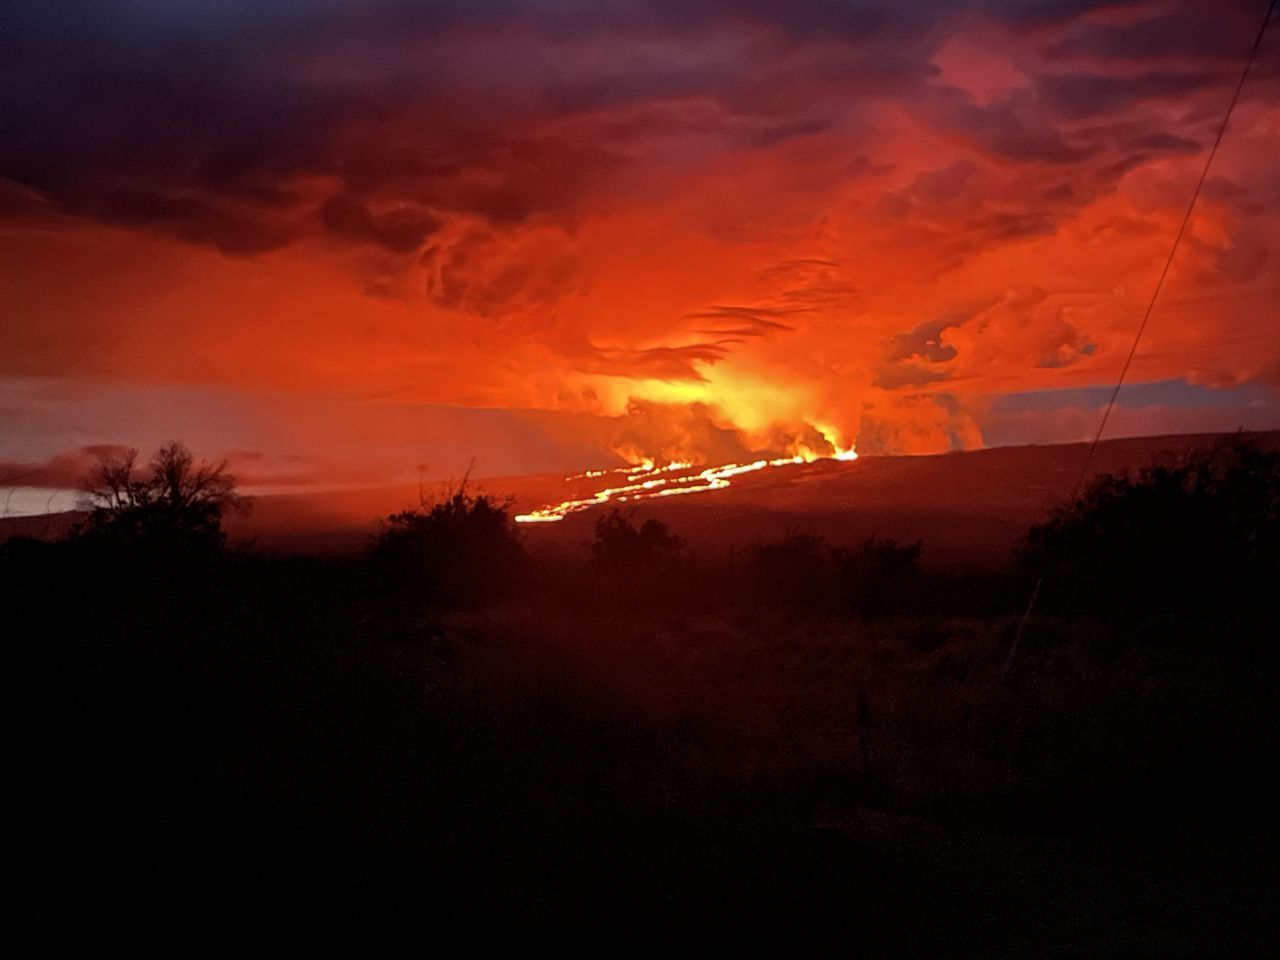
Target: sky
358, 241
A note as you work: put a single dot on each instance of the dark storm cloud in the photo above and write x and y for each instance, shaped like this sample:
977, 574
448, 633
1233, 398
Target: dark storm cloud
130, 88
875, 20
1034, 14
202, 120
166, 115
400, 231
1014, 129
924, 342
910, 355
1078, 96
1188, 31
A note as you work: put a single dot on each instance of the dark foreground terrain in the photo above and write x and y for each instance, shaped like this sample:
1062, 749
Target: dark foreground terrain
270, 748
807, 746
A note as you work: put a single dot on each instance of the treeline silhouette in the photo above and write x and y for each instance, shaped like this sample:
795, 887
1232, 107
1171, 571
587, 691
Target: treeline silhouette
1195, 534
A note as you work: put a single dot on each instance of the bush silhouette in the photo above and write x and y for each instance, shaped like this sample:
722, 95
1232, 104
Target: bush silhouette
1202, 532
881, 575
458, 550
798, 571
622, 547
173, 505
805, 573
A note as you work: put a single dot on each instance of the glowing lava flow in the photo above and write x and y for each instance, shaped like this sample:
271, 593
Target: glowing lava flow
646, 481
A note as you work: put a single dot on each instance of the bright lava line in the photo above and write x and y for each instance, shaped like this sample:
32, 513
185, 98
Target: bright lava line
646, 481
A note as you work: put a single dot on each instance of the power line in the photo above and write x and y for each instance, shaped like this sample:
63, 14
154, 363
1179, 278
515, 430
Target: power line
1146, 316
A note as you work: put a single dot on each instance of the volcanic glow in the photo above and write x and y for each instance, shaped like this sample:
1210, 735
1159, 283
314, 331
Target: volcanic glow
646, 481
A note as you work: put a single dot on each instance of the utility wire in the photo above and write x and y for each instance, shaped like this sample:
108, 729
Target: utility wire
1146, 316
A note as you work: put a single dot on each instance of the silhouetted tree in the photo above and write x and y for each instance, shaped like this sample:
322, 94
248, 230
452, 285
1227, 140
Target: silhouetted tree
621, 546
1201, 532
460, 549
173, 504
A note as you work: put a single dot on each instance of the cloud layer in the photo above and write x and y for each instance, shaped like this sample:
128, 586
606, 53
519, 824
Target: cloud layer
758, 217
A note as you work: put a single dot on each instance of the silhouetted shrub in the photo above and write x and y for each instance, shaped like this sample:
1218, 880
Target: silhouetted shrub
622, 547
881, 576
802, 572
173, 506
461, 549
797, 572
1200, 533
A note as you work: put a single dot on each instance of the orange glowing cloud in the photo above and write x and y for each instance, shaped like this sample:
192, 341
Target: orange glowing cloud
710, 234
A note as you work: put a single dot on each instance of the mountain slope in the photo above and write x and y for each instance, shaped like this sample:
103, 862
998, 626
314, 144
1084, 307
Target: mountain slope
969, 507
